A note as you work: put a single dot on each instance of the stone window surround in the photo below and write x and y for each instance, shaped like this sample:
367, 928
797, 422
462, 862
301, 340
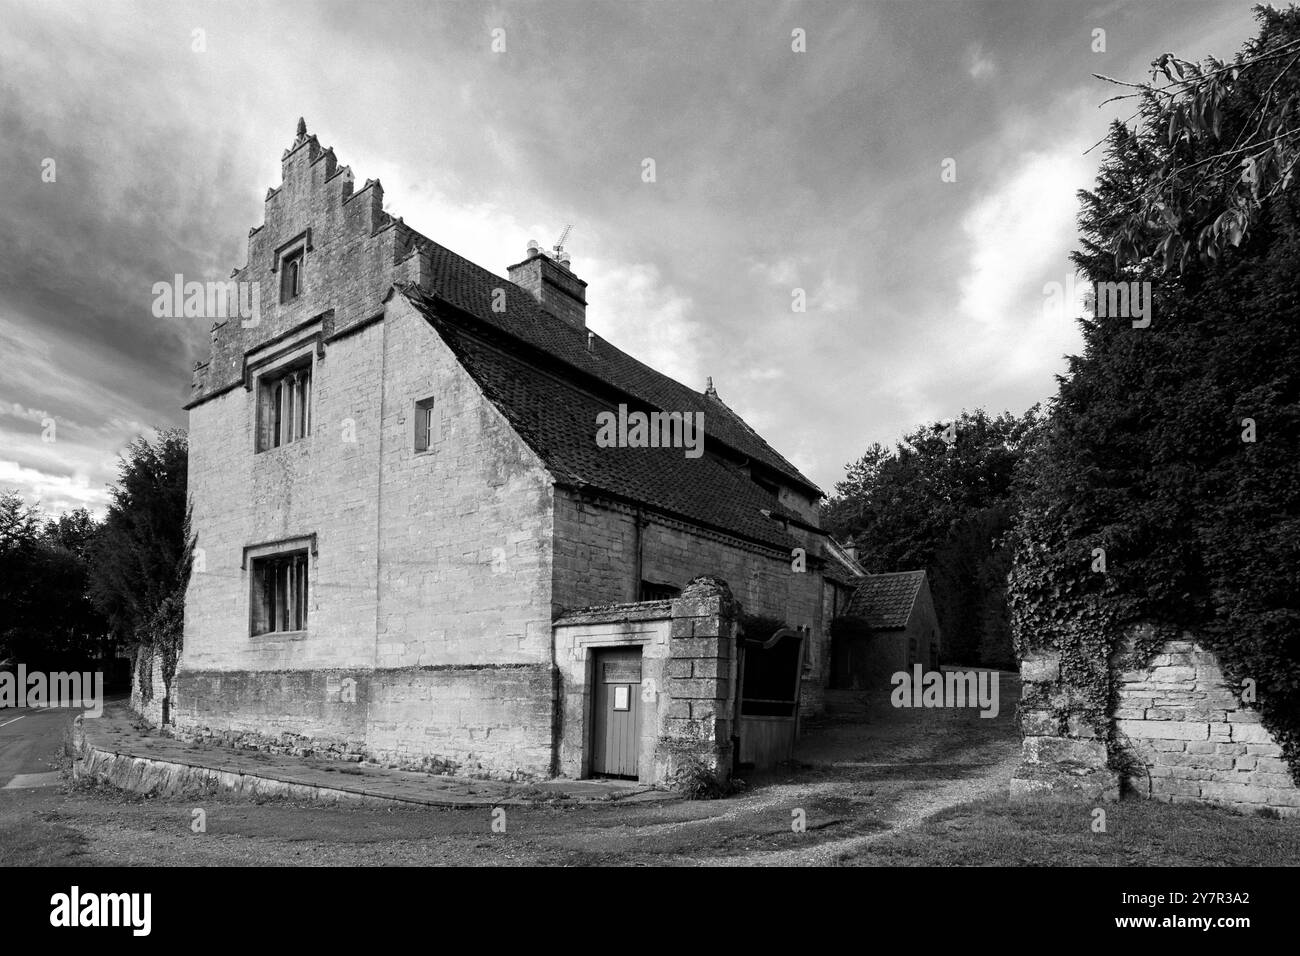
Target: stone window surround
298, 247
316, 331
268, 549
291, 284
418, 407
268, 368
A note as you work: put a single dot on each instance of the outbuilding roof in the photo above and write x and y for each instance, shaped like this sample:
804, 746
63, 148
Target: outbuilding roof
886, 600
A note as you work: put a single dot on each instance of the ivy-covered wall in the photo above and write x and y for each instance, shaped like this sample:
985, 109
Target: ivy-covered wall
1152, 717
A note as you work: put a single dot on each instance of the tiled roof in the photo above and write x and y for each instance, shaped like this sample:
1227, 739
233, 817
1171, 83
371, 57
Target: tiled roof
886, 600
470, 288
840, 568
556, 417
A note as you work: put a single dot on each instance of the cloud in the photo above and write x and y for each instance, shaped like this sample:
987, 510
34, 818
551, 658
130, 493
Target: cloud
1016, 233
979, 64
641, 313
55, 493
776, 170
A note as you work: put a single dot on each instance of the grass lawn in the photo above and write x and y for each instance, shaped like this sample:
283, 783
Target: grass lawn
1138, 833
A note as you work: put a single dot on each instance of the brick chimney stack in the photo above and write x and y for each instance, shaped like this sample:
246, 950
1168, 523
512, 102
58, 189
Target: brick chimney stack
552, 283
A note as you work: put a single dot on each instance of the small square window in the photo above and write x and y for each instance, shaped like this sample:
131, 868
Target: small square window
425, 425
279, 596
291, 277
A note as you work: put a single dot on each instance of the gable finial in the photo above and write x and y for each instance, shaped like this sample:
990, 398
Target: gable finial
709, 389
302, 128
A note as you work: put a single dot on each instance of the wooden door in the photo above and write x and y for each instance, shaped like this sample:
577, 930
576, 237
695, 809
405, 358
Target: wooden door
616, 713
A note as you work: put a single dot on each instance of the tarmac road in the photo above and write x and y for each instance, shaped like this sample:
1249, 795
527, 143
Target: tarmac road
30, 740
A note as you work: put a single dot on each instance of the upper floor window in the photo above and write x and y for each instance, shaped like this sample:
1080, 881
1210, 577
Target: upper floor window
425, 425
284, 405
291, 275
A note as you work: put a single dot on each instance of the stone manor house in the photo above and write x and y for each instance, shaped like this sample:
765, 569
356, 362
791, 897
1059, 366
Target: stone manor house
414, 550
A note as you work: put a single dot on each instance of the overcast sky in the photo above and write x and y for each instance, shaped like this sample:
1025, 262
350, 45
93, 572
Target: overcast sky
775, 170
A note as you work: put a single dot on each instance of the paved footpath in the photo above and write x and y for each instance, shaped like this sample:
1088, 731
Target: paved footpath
121, 750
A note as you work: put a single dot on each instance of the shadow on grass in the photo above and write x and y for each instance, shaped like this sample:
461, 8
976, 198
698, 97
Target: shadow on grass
995, 832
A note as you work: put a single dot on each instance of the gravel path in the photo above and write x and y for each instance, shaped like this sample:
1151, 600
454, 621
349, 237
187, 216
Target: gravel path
857, 779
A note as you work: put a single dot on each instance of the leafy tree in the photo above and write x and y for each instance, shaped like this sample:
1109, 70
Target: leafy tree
140, 562
19, 523
19, 539
942, 500
1223, 140
74, 531
48, 621
1173, 448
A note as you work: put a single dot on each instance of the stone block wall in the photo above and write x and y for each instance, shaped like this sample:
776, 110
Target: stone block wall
1062, 758
595, 563
1182, 733
430, 580
701, 682
1192, 740
465, 529
151, 709
492, 721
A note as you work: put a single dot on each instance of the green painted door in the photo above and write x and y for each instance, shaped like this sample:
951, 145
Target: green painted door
616, 713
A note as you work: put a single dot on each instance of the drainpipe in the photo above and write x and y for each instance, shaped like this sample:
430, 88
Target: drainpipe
638, 523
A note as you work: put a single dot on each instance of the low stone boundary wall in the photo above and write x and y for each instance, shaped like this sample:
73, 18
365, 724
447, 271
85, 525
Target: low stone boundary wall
165, 778
1193, 741
475, 720
1184, 734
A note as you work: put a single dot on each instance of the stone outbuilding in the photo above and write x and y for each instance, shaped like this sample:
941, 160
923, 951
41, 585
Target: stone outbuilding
900, 631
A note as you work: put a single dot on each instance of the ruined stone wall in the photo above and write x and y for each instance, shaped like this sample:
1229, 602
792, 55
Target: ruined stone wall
1182, 736
151, 709
1193, 741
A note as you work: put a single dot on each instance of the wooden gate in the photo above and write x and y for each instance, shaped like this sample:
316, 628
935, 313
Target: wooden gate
616, 713
770, 671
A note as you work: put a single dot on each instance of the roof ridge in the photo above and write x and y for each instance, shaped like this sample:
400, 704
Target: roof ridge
423, 297
750, 428
515, 386
553, 324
